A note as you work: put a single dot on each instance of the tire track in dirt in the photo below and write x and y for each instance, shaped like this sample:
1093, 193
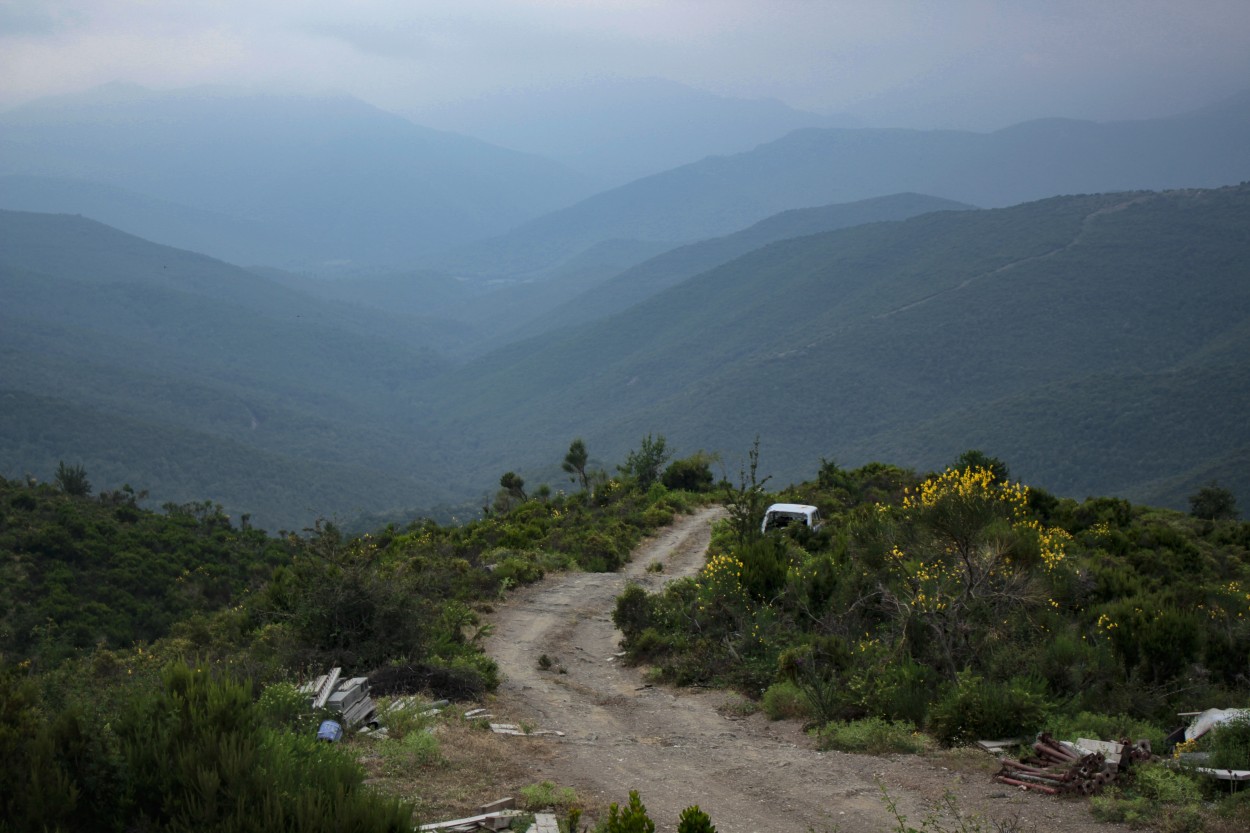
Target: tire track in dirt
678, 747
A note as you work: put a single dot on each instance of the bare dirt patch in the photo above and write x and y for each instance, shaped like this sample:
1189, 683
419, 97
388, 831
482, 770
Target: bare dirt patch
679, 747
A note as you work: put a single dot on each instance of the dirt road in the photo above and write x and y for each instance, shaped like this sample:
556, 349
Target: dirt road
679, 747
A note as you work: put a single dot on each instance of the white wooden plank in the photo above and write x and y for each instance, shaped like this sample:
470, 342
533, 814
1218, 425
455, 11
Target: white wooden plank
471, 821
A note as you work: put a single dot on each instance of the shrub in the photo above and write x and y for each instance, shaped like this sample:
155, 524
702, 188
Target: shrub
784, 700
765, 562
694, 820
815, 670
547, 794
872, 736
283, 706
635, 611
415, 750
198, 758
520, 568
633, 819
1154, 796
975, 708
1104, 727
656, 516
1230, 744
690, 474
1169, 786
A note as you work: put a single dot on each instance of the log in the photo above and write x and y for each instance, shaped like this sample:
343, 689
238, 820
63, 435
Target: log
1025, 785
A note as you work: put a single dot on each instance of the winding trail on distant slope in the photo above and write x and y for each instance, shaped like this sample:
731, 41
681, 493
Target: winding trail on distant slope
675, 747
1006, 267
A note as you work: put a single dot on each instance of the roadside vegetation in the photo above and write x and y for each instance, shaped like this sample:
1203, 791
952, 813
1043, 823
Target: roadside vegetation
147, 659
964, 606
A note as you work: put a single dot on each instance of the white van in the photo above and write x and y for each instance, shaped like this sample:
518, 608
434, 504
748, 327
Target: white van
781, 515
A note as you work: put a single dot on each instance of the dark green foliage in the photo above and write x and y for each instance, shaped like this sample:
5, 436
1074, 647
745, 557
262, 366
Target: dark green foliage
645, 464
198, 757
634, 612
974, 708
818, 669
1106, 727
694, 820
72, 480
1213, 503
747, 502
344, 604
575, 462
632, 819
690, 474
945, 614
52, 774
79, 572
976, 459
514, 485
765, 563
1230, 744
194, 753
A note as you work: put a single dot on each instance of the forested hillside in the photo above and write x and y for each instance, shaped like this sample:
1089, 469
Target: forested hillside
1099, 341
155, 365
1115, 325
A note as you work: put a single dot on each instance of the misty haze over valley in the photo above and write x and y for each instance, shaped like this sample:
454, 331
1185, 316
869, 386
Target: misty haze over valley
366, 293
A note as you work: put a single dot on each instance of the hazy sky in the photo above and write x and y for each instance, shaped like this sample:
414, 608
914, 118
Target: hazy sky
967, 63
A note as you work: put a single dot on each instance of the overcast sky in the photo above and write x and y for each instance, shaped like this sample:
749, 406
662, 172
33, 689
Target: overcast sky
924, 63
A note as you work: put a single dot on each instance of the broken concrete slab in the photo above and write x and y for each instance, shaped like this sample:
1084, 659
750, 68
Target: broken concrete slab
545, 823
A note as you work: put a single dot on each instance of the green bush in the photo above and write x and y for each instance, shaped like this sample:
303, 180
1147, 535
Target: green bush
1105, 727
55, 775
690, 474
415, 750
656, 516
198, 757
1230, 744
547, 794
284, 706
1154, 796
872, 736
815, 668
632, 819
783, 700
634, 613
519, 568
694, 820
975, 708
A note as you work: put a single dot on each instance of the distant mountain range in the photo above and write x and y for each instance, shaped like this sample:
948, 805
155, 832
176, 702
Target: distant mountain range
616, 130
1099, 344
279, 180
811, 167
331, 185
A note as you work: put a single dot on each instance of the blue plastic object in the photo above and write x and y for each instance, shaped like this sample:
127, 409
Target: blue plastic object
330, 731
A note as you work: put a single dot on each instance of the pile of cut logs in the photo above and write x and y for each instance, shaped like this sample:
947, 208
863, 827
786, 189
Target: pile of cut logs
1083, 768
